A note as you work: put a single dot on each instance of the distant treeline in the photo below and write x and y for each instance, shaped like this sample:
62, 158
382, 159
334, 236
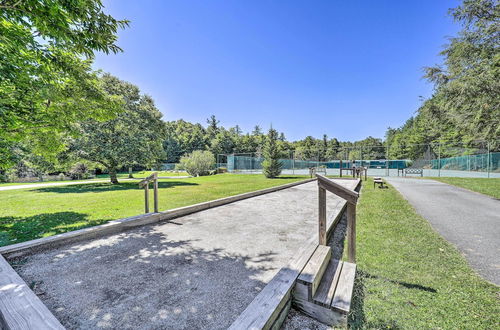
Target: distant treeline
184, 137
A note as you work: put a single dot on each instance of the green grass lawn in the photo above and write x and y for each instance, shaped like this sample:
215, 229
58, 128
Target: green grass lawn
485, 186
31, 213
137, 175
409, 277
143, 174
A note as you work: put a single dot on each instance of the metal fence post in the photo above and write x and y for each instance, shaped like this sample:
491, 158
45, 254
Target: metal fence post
439, 160
387, 158
489, 160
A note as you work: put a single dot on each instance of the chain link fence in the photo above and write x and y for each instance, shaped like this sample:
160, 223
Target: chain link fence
475, 159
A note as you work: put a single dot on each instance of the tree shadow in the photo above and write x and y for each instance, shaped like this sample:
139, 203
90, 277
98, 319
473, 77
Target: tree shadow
357, 318
107, 187
403, 284
143, 276
20, 229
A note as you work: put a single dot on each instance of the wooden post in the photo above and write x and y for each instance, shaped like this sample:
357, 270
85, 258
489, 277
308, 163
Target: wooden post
322, 215
155, 183
146, 197
341, 168
366, 172
351, 232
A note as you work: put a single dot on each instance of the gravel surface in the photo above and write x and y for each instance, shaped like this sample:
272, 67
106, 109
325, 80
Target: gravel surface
197, 271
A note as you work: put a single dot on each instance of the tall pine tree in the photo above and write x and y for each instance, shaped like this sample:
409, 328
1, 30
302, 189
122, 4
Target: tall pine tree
271, 164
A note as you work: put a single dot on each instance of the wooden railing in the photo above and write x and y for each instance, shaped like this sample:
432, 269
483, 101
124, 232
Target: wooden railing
351, 197
145, 183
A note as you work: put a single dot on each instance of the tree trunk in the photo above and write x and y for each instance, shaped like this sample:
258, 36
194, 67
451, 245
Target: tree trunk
112, 175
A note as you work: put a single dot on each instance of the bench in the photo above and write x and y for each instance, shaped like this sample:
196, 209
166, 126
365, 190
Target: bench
378, 181
414, 171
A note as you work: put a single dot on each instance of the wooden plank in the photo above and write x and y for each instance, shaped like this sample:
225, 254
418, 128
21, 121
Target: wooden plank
322, 215
282, 316
323, 314
148, 179
313, 271
20, 308
335, 188
343, 295
351, 232
326, 290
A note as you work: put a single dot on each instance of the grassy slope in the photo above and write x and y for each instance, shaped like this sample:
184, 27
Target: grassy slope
485, 186
409, 276
31, 213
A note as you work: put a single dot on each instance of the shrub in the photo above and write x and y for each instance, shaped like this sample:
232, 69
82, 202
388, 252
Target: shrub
79, 171
197, 163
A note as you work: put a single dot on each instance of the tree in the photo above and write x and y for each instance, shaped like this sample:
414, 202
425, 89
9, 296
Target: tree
134, 137
223, 143
182, 138
46, 48
257, 131
213, 127
465, 105
271, 165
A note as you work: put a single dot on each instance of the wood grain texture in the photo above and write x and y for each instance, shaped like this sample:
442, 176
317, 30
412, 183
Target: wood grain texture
323, 314
313, 271
20, 308
322, 215
349, 195
351, 232
343, 295
328, 284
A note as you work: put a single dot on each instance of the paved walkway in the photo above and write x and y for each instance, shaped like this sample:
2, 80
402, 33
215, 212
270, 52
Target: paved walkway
199, 271
64, 183
469, 220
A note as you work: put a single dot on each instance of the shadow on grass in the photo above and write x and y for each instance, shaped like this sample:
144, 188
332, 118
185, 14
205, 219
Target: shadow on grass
357, 318
20, 229
106, 187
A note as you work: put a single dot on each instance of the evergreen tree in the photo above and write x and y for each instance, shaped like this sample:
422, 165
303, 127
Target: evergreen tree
271, 164
212, 128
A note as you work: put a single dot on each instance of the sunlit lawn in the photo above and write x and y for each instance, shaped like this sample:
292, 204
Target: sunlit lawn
31, 213
409, 277
487, 186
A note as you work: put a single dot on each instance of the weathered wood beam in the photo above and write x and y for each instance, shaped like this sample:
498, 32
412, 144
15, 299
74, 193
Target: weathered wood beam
351, 232
322, 215
20, 308
349, 195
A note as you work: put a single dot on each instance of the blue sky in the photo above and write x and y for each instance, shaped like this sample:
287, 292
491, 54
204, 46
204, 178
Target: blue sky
348, 69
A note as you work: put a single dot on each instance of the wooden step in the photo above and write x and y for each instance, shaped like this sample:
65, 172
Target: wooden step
331, 302
343, 294
326, 290
310, 277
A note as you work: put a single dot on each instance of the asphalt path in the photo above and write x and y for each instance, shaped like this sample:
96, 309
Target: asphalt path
467, 219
